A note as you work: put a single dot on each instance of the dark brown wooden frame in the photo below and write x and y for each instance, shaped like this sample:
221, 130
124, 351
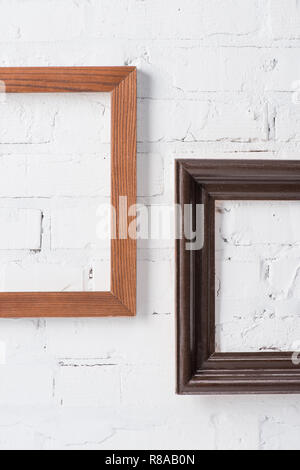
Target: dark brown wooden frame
200, 370
121, 82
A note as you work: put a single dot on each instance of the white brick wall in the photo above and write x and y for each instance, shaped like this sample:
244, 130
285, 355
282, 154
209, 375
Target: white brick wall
257, 275
55, 167
215, 79
20, 229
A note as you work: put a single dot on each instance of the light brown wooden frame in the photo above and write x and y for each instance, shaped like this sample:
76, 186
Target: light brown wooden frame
121, 82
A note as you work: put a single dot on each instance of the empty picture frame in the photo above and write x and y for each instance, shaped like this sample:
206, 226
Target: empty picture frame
200, 369
121, 83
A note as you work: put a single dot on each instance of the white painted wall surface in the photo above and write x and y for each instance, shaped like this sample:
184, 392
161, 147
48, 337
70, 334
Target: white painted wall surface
54, 188
217, 78
257, 276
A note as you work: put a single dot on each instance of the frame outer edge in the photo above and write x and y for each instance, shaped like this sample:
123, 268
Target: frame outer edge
272, 373
123, 175
121, 81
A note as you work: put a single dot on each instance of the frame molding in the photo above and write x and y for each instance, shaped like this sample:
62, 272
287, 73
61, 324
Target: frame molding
121, 82
200, 370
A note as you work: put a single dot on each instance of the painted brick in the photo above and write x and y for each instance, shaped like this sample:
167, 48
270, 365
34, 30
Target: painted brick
67, 177
97, 386
189, 20
226, 69
33, 21
279, 433
27, 277
285, 23
236, 437
150, 170
201, 121
278, 222
282, 70
287, 120
20, 229
81, 227
25, 120
17, 378
155, 293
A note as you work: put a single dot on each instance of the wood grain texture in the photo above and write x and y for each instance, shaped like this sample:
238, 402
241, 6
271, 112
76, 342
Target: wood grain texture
185, 298
121, 81
61, 304
200, 370
123, 173
62, 79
